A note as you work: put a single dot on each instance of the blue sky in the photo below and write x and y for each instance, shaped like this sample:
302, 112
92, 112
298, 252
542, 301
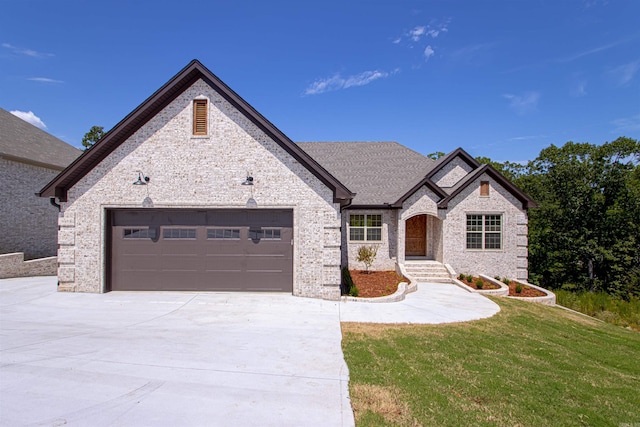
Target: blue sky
502, 79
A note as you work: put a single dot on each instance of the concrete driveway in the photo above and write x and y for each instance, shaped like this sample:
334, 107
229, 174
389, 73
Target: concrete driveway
187, 358
168, 359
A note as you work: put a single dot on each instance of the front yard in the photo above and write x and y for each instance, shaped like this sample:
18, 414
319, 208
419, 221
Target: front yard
529, 365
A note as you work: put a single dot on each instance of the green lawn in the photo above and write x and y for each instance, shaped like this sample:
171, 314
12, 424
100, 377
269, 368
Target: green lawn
529, 365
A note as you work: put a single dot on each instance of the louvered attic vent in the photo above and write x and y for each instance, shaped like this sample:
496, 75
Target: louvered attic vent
200, 117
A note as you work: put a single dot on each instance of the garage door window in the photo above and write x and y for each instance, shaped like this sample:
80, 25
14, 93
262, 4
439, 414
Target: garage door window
179, 233
139, 233
223, 233
265, 234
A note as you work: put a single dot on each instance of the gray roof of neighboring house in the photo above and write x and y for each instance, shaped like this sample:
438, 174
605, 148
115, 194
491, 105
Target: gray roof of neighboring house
378, 172
21, 141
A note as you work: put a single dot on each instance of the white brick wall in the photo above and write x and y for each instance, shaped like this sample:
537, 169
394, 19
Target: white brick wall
451, 173
202, 172
27, 222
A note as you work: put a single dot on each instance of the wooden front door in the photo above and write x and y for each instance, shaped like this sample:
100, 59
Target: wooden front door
415, 243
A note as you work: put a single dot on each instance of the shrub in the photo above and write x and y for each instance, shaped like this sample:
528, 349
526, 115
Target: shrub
354, 291
479, 283
469, 278
506, 281
497, 278
366, 255
347, 281
461, 277
518, 288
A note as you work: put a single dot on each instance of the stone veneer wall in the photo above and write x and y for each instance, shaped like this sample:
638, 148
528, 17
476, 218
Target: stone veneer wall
387, 248
28, 222
201, 172
14, 265
511, 261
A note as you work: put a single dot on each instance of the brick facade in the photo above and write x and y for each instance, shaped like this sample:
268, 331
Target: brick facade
189, 171
28, 221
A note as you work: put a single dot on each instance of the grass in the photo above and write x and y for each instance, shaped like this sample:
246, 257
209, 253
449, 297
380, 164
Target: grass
602, 306
529, 365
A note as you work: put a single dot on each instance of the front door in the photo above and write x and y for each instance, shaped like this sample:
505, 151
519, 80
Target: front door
416, 236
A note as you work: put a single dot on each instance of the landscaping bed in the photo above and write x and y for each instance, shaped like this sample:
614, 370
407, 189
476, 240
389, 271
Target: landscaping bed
525, 291
473, 282
376, 283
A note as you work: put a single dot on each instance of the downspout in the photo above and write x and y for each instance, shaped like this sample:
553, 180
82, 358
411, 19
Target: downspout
52, 200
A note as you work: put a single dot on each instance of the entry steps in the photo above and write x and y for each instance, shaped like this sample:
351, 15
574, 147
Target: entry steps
427, 271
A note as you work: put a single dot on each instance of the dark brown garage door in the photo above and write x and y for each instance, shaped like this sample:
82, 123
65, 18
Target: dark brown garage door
212, 250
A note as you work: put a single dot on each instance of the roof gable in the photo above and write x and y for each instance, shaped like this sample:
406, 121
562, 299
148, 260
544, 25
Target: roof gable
156, 103
457, 153
527, 202
21, 141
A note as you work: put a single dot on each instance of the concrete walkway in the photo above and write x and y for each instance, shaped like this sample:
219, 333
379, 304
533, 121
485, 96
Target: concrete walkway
186, 358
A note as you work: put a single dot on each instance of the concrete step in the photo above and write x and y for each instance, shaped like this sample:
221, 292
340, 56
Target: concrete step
427, 271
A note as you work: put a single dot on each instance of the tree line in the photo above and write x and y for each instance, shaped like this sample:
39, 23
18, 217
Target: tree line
585, 233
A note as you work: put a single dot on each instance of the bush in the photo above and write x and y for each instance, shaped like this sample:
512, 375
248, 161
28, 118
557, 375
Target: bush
347, 281
461, 277
469, 278
479, 283
518, 288
506, 281
366, 255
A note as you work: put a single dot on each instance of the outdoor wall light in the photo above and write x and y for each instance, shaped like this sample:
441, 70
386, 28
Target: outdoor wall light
142, 179
249, 180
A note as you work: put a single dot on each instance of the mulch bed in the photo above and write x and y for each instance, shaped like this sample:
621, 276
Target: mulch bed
376, 283
526, 291
486, 284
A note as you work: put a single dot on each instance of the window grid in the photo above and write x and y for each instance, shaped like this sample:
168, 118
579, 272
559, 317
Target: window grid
179, 233
139, 233
266, 234
484, 232
223, 233
365, 227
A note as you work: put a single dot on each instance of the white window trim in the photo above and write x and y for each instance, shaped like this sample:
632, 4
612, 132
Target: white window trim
484, 214
365, 228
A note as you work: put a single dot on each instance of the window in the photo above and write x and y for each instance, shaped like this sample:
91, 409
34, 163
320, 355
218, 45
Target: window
484, 231
200, 117
223, 233
365, 228
265, 234
484, 188
139, 233
179, 233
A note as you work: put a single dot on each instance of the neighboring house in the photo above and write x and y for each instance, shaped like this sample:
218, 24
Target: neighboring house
29, 159
195, 190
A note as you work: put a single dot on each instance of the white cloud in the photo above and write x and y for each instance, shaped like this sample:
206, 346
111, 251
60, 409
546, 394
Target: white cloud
27, 52
523, 103
29, 117
591, 51
416, 33
337, 82
624, 73
428, 52
627, 124
44, 80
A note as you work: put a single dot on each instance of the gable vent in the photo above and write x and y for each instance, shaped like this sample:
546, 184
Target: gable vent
200, 117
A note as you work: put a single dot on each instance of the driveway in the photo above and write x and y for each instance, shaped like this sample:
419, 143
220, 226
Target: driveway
188, 358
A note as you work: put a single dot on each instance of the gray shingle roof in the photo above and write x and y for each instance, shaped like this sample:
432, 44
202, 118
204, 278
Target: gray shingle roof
378, 172
23, 141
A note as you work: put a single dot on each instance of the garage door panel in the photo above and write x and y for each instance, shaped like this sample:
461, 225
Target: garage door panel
202, 250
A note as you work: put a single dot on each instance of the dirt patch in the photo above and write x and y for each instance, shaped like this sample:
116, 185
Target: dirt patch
473, 283
385, 401
376, 283
526, 291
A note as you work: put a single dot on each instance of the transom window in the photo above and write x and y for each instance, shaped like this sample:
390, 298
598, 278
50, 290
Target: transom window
484, 231
139, 233
365, 227
223, 233
179, 233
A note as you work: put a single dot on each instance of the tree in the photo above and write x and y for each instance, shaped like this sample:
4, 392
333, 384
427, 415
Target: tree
585, 235
366, 255
91, 137
436, 155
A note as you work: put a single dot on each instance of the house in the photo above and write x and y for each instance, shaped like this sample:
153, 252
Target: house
29, 158
196, 190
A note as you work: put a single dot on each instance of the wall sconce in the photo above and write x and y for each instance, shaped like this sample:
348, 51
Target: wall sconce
142, 179
249, 180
